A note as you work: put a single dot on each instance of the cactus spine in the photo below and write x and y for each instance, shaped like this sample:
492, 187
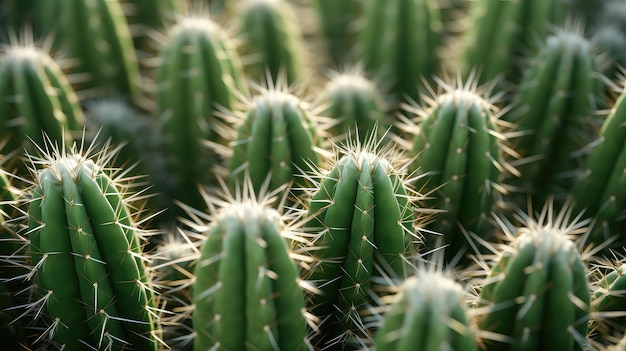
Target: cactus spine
428, 313
537, 291
86, 256
362, 212
247, 291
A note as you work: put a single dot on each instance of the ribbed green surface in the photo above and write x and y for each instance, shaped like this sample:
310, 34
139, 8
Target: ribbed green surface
501, 31
246, 293
337, 21
555, 109
428, 313
601, 189
100, 41
398, 43
271, 40
457, 163
199, 72
355, 105
363, 215
537, 293
86, 255
277, 138
35, 97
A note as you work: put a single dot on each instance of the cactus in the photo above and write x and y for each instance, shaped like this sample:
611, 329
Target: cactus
199, 74
278, 139
247, 290
399, 42
458, 159
100, 41
354, 105
536, 294
501, 32
362, 212
151, 15
271, 42
554, 111
609, 303
429, 313
337, 20
600, 189
36, 98
88, 271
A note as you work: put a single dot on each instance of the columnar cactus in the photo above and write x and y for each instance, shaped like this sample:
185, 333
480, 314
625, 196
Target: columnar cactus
277, 139
458, 159
247, 292
199, 74
354, 105
537, 294
338, 20
271, 42
100, 41
35, 98
502, 31
429, 313
609, 304
554, 109
146, 15
600, 189
86, 252
399, 42
362, 212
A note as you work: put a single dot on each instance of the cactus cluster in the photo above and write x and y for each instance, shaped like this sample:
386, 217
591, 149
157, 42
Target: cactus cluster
312, 175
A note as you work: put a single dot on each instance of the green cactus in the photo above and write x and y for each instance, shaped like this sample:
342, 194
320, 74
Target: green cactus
609, 304
429, 313
537, 295
247, 292
277, 138
199, 74
457, 161
554, 110
337, 20
100, 41
271, 42
36, 97
362, 213
354, 105
173, 265
501, 32
151, 15
86, 252
399, 42
600, 189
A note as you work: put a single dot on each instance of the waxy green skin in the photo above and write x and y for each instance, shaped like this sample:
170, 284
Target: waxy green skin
610, 297
601, 189
398, 44
269, 33
87, 260
429, 313
147, 15
35, 98
337, 21
199, 73
101, 42
457, 161
278, 138
555, 109
539, 294
364, 217
355, 105
246, 293
501, 32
